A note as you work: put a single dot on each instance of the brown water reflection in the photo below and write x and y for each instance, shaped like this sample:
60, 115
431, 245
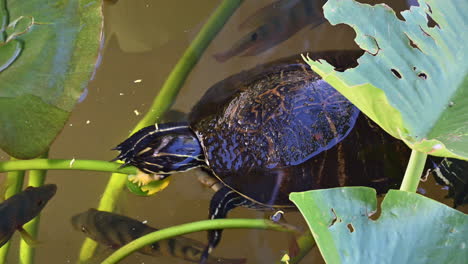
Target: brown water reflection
144, 41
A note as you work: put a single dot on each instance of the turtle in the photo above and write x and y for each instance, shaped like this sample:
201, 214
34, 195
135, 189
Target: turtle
269, 131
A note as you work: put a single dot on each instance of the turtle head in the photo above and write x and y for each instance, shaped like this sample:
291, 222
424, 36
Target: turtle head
162, 149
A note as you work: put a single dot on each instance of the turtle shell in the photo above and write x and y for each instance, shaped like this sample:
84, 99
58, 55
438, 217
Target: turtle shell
261, 129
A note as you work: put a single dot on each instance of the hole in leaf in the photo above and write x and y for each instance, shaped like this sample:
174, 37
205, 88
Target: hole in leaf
350, 227
374, 215
413, 44
430, 9
341, 60
424, 32
335, 218
396, 73
373, 50
422, 75
431, 22
399, 16
398, 13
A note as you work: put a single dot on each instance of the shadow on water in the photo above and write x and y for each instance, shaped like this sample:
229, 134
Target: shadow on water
144, 40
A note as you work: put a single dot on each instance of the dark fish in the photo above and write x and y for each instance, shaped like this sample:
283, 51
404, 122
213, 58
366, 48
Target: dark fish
116, 230
22, 208
275, 23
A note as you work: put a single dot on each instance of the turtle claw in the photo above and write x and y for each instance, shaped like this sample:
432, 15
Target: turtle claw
141, 178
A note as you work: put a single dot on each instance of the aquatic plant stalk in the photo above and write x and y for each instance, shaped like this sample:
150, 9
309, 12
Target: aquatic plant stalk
413, 171
165, 99
13, 185
66, 164
26, 252
306, 242
179, 230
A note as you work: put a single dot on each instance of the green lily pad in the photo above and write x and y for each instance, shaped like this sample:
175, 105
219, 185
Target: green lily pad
48, 54
410, 229
413, 79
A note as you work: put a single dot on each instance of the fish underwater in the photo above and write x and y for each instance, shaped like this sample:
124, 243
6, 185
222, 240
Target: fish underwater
275, 23
22, 208
116, 230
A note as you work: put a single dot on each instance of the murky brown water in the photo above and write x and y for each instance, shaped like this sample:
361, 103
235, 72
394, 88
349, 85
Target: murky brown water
144, 40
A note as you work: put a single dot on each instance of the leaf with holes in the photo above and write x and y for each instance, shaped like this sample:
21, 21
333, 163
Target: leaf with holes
413, 79
410, 229
48, 52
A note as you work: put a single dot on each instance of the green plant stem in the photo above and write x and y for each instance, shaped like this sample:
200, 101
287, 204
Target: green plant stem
66, 164
179, 230
165, 99
305, 242
413, 171
27, 252
13, 185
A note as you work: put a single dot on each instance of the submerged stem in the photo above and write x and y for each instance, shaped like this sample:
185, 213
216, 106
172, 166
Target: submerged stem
413, 171
27, 252
65, 164
164, 100
13, 185
305, 242
179, 230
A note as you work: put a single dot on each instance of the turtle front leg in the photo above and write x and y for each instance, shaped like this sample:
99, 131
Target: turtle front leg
224, 200
206, 178
142, 178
